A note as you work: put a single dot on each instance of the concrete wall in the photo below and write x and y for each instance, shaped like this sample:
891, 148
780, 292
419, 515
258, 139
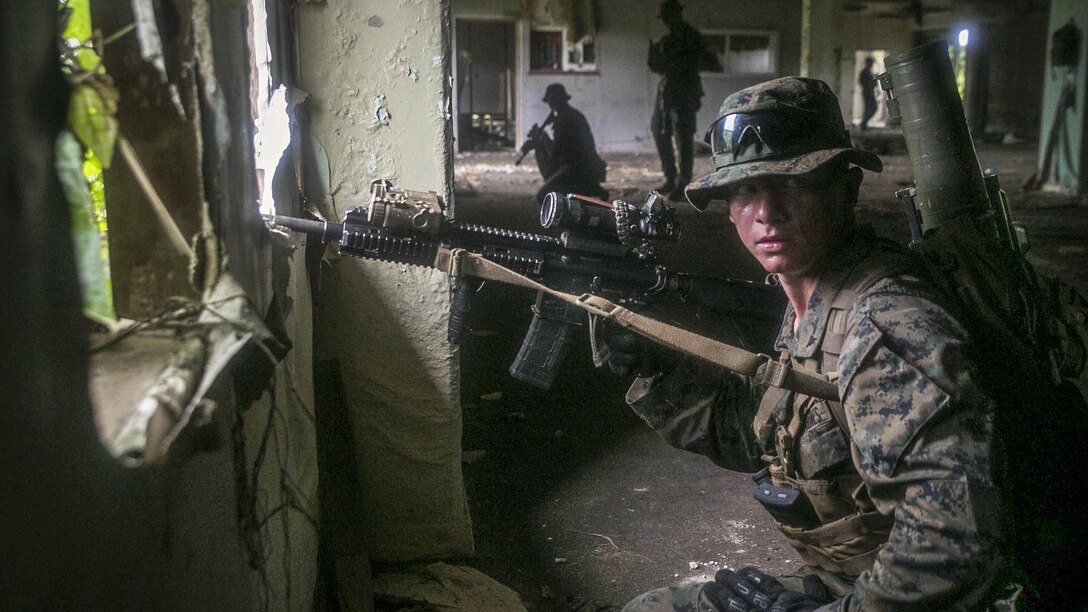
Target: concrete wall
1017, 71
618, 99
378, 76
1070, 151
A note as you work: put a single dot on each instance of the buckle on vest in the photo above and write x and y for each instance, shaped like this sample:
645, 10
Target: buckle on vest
774, 372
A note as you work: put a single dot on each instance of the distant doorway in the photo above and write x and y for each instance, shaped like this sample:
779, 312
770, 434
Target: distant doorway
486, 62
880, 118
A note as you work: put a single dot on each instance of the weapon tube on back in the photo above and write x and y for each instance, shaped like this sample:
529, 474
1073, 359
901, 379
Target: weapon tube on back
948, 181
921, 92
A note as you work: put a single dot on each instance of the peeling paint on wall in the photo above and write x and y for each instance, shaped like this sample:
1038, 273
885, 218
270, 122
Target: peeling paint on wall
380, 111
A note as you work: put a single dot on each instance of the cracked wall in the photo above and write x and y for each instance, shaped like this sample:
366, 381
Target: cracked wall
378, 77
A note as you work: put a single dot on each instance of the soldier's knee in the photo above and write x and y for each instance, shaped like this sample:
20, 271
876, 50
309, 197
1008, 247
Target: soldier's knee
686, 598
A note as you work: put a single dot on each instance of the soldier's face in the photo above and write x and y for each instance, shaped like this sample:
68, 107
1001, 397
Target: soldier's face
789, 226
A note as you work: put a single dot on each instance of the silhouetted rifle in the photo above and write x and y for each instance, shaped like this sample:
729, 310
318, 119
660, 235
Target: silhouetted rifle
606, 250
538, 140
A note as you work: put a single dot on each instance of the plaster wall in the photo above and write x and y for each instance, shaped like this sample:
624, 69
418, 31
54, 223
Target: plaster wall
618, 99
821, 23
1066, 172
378, 76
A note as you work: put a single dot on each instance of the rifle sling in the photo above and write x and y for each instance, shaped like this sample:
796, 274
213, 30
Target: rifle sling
460, 262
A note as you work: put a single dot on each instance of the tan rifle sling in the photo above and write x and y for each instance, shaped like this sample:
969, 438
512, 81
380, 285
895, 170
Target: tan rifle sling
458, 262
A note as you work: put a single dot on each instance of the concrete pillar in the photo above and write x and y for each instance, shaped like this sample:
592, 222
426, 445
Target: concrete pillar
377, 72
1063, 154
821, 27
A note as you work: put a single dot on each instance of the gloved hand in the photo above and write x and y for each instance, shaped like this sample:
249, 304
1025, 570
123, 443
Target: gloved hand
630, 353
750, 590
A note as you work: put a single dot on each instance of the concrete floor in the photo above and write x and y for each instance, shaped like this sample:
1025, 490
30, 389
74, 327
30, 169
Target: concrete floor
576, 504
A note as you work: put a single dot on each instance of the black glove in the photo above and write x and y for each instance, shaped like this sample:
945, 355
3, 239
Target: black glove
750, 590
630, 353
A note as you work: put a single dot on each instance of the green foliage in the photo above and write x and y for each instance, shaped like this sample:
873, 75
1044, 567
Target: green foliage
91, 112
958, 55
92, 107
93, 102
92, 171
92, 259
77, 38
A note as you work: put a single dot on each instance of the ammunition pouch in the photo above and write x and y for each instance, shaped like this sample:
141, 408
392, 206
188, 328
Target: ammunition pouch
847, 546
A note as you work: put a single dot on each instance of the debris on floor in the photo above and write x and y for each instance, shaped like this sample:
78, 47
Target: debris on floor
448, 587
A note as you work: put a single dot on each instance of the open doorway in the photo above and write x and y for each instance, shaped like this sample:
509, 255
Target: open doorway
485, 89
879, 117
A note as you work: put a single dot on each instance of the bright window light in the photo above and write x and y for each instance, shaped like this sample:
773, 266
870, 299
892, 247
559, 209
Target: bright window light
271, 130
964, 36
272, 138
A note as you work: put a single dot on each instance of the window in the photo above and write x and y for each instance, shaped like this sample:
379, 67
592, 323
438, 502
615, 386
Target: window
744, 52
551, 50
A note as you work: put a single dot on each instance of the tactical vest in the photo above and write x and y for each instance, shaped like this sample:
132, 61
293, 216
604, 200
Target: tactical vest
812, 447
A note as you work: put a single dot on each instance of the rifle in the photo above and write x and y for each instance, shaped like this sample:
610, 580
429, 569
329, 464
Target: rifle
534, 140
604, 249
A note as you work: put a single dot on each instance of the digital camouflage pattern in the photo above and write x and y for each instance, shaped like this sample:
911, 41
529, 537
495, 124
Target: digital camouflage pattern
809, 99
921, 438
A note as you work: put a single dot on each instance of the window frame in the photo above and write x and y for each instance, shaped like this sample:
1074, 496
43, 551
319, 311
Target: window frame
566, 66
725, 34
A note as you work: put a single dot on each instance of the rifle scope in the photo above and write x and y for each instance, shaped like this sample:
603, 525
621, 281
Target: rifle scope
653, 220
921, 91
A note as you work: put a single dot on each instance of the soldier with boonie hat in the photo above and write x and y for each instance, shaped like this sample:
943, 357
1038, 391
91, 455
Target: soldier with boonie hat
790, 126
888, 494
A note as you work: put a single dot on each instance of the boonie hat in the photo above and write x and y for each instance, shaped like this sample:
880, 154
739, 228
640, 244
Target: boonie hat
670, 6
555, 91
785, 127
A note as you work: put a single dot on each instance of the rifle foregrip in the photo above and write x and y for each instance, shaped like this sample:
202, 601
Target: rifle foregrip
460, 305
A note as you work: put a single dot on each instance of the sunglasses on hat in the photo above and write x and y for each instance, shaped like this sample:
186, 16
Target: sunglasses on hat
743, 137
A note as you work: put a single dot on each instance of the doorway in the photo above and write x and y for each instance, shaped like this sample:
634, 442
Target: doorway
485, 89
880, 117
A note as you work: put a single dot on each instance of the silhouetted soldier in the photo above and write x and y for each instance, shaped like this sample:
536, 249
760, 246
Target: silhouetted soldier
677, 57
867, 82
569, 163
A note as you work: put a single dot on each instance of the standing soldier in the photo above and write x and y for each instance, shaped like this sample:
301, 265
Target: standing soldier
867, 83
677, 57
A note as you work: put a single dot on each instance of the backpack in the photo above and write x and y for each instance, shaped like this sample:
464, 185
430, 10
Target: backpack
1031, 332
1031, 342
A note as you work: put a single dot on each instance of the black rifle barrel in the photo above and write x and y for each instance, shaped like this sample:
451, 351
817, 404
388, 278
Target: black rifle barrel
329, 232
922, 92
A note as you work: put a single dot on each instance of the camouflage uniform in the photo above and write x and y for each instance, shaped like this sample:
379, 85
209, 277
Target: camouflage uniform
901, 473
915, 470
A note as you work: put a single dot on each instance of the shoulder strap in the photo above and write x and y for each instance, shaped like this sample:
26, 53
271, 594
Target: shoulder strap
887, 260
457, 262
